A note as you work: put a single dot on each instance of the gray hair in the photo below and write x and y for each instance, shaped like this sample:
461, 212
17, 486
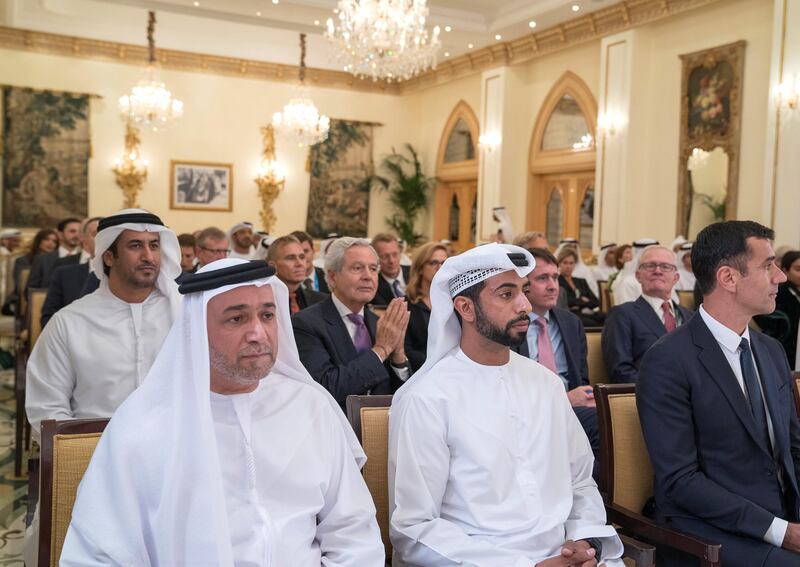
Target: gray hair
334, 255
657, 247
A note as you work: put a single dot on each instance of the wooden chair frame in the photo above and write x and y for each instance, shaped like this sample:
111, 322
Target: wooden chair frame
51, 428
631, 522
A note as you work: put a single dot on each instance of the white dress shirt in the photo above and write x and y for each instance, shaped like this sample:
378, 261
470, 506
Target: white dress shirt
63, 252
401, 283
657, 302
729, 341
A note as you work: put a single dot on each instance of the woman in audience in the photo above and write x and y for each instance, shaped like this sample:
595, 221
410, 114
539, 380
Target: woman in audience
46, 240
580, 298
624, 254
788, 301
426, 263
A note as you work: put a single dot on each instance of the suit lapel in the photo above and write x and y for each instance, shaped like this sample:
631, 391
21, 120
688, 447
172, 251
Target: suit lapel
338, 331
768, 373
649, 317
567, 344
715, 363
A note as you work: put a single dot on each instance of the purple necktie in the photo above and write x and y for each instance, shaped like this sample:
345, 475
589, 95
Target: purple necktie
361, 341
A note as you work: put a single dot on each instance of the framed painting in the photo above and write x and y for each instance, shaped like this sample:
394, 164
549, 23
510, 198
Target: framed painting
200, 186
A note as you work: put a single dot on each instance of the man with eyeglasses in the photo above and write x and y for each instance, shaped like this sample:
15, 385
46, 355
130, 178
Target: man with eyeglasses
633, 327
212, 244
344, 346
393, 276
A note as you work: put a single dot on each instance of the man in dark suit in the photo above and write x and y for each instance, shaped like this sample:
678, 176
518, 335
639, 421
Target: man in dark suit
69, 238
393, 277
315, 277
631, 328
344, 346
286, 254
556, 339
717, 411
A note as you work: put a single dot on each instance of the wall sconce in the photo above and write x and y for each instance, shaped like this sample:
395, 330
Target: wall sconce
270, 179
787, 95
609, 123
131, 169
490, 141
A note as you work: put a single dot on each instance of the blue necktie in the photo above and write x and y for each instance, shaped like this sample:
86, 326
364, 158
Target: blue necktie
754, 391
396, 288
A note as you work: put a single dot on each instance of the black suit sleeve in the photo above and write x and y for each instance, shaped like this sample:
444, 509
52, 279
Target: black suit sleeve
355, 377
36, 276
664, 400
583, 353
617, 346
55, 297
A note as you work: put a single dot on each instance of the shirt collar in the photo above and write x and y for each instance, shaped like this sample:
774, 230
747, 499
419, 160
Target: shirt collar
657, 302
398, 278
727, 338
342, 308
533, 316
85, 257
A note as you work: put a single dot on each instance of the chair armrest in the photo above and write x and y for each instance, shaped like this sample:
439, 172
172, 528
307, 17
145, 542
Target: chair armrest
642, 554
648, 530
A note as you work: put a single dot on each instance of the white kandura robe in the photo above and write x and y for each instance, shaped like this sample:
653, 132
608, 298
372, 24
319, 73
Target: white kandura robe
293, 492
93, 353
687, 281
602, 272
489, 467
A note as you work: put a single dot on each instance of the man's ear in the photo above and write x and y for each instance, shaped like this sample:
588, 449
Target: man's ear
727, 278
108, 256
465, 307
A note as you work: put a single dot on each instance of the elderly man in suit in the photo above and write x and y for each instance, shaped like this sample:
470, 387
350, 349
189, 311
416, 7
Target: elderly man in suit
556, 339
344, 346
633, 327
393, 277
286, 254
717, 411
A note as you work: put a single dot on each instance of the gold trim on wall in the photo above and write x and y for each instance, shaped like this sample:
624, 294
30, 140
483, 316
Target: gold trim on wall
616, 18
777, 145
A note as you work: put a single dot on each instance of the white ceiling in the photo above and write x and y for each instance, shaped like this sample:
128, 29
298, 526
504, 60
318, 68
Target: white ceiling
267, 31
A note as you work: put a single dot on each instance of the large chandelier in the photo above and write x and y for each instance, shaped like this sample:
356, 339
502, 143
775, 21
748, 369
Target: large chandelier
300, 119
150, 104
384, 39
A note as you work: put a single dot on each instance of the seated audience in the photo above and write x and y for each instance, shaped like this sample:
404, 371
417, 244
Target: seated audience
556, 339
240, 237
188, 243
685, 273
211, 244
286, 255
315, 277
633, 327
344, 346
580, 298
488, 464
427, 261
531, 239
214, 435
788, 302
72, 281
717, 412
393, 276
580, 270
625, 286
606, 263
69, 248
45, 241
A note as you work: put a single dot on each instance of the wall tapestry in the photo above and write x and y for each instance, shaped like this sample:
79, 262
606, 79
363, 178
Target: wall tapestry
339, 197
46, 152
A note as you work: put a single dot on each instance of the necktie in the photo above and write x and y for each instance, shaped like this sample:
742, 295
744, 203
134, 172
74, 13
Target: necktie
294, 307
361, 341
753, 390
546, 356
396, 288
309, 284
669, 318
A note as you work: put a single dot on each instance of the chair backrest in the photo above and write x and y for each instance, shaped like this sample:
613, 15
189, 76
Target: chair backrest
594, 357
796, 381
36, 297
626, 476
686, 298
22, 308
605, 295
67, 448
369, 416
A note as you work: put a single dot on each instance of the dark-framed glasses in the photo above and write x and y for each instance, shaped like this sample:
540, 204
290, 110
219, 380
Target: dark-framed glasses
651, 267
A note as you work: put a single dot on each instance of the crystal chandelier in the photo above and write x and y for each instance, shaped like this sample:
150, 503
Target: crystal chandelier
150, 104
384, 39
300, 119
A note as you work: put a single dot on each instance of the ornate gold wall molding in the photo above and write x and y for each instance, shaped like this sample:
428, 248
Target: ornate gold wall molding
614, 19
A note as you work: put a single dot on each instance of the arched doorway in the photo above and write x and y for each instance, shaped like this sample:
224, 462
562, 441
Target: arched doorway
562, 162
455, 204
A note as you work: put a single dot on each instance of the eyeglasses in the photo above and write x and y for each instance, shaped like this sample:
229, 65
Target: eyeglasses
217, 251
651, 267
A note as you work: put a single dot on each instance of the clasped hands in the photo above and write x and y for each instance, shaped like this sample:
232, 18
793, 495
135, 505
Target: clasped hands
390, 333
573, 554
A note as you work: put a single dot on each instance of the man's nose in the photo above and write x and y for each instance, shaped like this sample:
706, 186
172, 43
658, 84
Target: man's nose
256, 332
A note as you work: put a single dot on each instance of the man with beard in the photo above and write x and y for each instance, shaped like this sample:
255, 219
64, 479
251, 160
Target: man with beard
488, 464
241, 238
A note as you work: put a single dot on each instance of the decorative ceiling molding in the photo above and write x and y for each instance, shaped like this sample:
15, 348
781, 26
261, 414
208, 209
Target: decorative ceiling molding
56, 44
617, 18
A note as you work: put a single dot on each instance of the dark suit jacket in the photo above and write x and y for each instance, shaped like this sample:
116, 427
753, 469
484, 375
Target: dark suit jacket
44, 265
710, 467
308, 297
573, 338
69, 282
323, 285
582, 289
789, 304
631, 329
416, 341
329, 355
384, 294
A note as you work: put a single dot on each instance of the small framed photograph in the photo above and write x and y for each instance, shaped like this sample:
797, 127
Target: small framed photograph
203, 186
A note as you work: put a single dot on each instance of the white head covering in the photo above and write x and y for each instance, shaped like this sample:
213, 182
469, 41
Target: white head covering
604, 250
504, 223
263, 247
10, 233
687, 278
181, 476
239, 226
679, 240
638, 247
456, 274
140, 220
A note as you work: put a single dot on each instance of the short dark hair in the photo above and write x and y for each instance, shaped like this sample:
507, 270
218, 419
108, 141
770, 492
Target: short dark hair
543, 255
724, 244
789, 258
185, 240
113, 249
303, 237
63, 224
210, 233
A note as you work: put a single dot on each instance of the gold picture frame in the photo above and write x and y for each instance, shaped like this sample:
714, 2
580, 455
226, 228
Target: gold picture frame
200, 186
